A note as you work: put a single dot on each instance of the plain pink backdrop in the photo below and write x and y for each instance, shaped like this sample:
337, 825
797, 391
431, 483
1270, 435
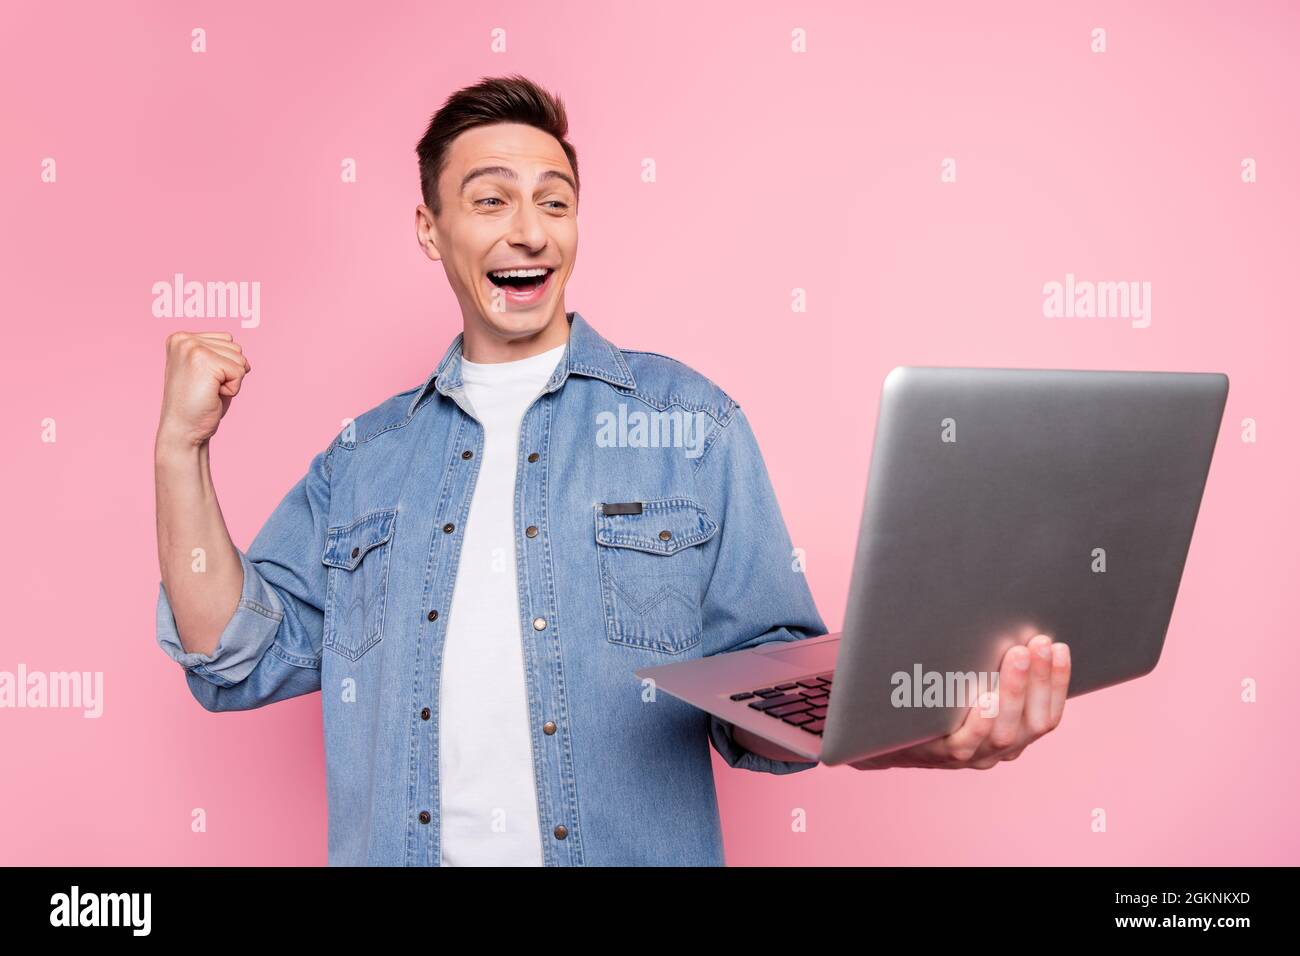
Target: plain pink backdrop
775, 171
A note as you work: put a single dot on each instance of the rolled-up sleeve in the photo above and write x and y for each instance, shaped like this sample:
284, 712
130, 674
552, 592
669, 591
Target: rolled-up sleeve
245, 639
757, 592
270, 649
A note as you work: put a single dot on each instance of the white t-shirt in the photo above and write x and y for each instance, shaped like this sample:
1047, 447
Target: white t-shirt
489, 794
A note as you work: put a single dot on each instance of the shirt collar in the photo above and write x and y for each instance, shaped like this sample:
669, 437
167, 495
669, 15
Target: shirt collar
588, 353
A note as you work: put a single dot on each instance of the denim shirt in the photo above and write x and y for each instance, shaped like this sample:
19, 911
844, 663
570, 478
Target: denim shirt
347, 590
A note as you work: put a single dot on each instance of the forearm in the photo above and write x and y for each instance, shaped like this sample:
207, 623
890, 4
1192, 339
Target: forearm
203, 589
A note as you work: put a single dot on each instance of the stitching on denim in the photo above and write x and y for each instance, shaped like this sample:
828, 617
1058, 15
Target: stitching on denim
339, 536
607, 534
663, 404
294, 660
713, 436
252, 605
211, 676
642, 607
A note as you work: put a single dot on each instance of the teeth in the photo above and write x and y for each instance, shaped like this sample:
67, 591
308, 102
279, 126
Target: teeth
518, 273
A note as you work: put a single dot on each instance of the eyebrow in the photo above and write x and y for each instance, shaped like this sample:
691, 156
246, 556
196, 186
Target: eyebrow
505, 172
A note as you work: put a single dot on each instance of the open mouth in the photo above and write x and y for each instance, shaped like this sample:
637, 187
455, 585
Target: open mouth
521, 284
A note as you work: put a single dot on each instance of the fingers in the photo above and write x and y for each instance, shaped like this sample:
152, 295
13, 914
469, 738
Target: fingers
217, 349
1033, 684
1037, 718
234, 353
181, 337
1060, 682
1013, 682
962, 743
193, 346
1057, 688
227, 367
191, 339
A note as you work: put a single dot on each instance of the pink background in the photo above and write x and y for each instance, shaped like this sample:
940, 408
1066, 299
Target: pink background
775, 171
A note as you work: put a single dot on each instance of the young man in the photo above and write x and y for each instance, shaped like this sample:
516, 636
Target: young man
471, 571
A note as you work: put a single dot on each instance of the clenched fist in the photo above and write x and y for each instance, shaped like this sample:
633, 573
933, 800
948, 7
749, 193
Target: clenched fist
204, 372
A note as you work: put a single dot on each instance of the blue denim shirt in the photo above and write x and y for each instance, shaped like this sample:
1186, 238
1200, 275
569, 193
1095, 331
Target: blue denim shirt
347, 589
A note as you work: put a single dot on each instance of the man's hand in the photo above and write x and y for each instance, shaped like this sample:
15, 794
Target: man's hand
1032, 685
204, 371
1029, 702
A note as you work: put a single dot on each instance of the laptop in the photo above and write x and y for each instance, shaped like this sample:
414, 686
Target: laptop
1000, 503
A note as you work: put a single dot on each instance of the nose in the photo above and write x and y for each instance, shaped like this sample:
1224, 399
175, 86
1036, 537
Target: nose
526, 228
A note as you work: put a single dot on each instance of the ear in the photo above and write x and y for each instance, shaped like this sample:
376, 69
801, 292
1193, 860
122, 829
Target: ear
426, 233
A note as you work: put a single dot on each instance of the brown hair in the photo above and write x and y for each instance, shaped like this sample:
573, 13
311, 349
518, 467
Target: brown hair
493, 99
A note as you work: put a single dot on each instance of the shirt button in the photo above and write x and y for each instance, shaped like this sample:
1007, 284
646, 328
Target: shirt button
448, 527
433, 615
533, 456
355, 552
531, 531
426, 714
561, 831
548, 728
539, 624
425, 816
665, 535
467, 454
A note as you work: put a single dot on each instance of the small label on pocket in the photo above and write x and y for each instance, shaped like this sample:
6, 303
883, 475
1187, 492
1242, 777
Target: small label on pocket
621, 507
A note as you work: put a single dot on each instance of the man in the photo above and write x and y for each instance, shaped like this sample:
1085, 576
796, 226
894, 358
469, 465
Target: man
471, 571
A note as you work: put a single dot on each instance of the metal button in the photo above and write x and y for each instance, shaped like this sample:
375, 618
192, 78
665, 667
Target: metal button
433, 615
533, 456
561, 831
355, 552
531, 531
548, 728
665, 535
426, 713
467, 454
449, 527
539, 624
425, 816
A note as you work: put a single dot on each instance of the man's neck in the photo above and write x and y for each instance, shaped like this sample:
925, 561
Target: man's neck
486, 347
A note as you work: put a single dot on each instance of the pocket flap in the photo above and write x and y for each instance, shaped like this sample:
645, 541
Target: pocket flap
346, 545
664, 526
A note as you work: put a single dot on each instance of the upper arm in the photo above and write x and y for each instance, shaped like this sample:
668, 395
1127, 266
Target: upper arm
270, 649
757, 591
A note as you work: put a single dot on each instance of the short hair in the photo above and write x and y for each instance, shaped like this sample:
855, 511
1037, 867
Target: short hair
493, 99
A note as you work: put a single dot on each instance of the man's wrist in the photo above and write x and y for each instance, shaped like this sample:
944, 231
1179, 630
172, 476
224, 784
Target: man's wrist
170, 448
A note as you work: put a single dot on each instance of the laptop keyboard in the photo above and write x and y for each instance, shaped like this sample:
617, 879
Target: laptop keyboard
801, 703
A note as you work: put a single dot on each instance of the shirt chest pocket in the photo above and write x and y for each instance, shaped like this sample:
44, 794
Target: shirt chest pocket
358, 555
652, 573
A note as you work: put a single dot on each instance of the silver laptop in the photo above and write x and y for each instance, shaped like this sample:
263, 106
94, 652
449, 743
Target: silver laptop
1001, 503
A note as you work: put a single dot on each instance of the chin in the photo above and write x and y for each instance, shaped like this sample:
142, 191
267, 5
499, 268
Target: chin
514, 324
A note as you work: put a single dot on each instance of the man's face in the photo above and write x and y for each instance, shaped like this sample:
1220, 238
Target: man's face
508, 203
